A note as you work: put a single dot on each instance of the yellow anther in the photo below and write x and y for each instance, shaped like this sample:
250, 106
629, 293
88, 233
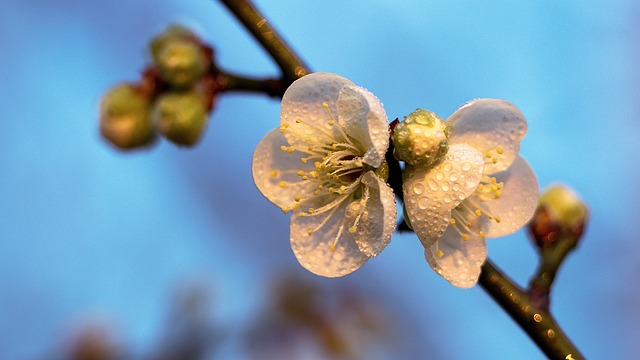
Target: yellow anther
305, 177
274, 173
309, 232
494, 160
304, 160
282, 184
480, 187
310, 148
285, 209
363, 202
314, 174
482, 235
465, 237
332, 122
452, 221
468, 223
478, 212
497, 219
318, 165
488, 154
320, 187
500, 150
334, 146
439, 253
283, 148
298, 121
290, 149
353, 229
332, 248
296, 198
312, 210
300, 173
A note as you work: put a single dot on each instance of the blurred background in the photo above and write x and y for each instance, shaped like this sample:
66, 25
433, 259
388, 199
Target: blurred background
169, 253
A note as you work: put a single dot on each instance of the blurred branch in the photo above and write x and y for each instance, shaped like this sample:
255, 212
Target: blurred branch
290, 64
536, 321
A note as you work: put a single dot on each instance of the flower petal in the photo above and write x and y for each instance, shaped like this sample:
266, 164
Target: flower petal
314, 251
518, 201
461, 261
362, 116
494, 127
430, 194
378, 221
303, 111
275, 171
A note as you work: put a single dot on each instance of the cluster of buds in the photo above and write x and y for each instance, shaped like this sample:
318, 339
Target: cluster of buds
173, 98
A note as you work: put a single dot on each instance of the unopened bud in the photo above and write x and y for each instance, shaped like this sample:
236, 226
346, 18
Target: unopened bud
125, 117
180, 117
560, 212
421, 138
179, 57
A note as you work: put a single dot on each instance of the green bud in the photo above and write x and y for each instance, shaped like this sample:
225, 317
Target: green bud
125, 117
180, 117
174, 32
559, 211
421, 138
179, 57
564, 206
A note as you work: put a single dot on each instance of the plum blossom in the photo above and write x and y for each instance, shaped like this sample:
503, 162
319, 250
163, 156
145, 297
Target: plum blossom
325, 164
464, 182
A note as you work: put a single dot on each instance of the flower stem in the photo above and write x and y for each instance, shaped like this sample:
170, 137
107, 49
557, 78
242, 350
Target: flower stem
537, 322
291, 66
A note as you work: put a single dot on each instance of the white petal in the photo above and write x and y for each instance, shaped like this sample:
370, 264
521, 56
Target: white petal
362, 116
430, 194
461, 260
304, 100
314, 251
518, 201
378, 221
489, 124
271, 166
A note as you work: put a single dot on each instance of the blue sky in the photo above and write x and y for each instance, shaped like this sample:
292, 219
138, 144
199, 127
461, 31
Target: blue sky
89, 232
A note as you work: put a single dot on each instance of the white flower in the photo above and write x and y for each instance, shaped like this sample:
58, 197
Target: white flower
473, 186
325, 163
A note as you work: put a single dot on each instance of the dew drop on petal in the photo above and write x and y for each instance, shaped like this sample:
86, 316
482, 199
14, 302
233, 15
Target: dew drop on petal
423, 203
418, 188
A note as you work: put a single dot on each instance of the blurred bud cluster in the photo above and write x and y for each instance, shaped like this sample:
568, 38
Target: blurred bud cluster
304, 320
173, 98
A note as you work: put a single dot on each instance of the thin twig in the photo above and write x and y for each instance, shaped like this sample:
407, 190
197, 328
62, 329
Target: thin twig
291, 66
538, 323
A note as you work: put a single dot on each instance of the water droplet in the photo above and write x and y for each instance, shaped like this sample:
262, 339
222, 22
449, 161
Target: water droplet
439, 176
453, 176
423, 203
418, 188
445, 186
432, 184
466, 166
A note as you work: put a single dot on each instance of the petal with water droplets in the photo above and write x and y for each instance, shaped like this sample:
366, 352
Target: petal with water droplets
430, 194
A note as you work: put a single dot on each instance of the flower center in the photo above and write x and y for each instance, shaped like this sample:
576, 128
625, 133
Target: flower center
465, 218
338, 167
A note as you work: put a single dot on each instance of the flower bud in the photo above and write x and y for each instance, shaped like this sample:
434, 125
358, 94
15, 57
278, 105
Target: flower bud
421, 138
180, 117
179, 57
125, 117
559, 211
